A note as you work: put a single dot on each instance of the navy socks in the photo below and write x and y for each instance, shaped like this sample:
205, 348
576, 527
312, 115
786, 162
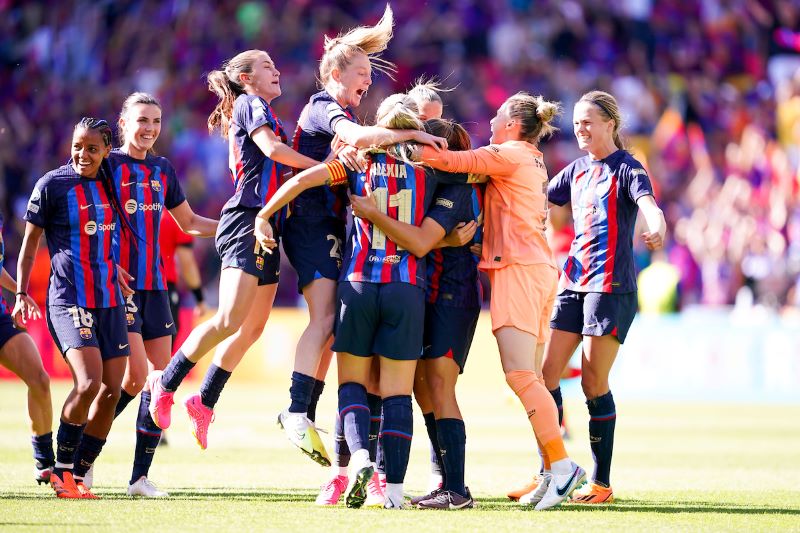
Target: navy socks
436, 453
354, 413
43, 449
147, 436
124, 400
88, 451
398, 428
453, 442
602, 420
68, 440
375, 409
176, 371
212, 386
319, 386
301, 392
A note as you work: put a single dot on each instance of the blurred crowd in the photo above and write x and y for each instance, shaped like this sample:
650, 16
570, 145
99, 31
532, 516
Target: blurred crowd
710, 92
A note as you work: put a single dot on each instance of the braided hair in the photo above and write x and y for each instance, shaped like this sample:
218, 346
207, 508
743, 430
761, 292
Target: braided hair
106, 173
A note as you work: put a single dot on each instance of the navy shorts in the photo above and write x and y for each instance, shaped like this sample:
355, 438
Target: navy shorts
595, 313
237, 247
313, 246
148, 313
379, 319
80, 327
174, 303
448, 332
7, 329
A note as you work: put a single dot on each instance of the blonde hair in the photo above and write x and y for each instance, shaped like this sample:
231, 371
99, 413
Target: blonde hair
535, 115
132, 100
399, 112
427, 90
609, 110
368, 40
227, 85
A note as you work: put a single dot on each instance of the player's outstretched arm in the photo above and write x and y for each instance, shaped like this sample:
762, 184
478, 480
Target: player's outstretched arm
273, 147
367, 136
191, 223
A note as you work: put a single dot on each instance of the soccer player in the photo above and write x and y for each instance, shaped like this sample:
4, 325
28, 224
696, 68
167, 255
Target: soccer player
453, 303
315, 229
19, 354
259, 155
147, 185
521, 267
76, 207
380, 300
598, 301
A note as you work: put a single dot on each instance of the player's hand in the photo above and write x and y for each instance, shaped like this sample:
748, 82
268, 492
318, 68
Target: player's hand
363, 206
263, 233
653, 241
123, 278
461, 234
438, 143
25, 308
476, 249
349, 155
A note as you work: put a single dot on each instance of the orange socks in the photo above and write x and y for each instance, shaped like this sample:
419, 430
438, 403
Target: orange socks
542, 412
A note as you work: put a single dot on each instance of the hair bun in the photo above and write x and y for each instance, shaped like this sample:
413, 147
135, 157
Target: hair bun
546, 111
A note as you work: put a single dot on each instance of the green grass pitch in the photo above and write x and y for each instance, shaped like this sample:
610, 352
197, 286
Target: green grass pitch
678, 467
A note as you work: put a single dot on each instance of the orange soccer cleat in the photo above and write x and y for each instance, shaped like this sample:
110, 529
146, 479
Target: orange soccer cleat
515, 495
593, 494
65, 486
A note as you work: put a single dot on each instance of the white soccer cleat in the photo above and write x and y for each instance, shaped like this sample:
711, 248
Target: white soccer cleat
561, 486
88, 479
144, 487
302, 433
536, 495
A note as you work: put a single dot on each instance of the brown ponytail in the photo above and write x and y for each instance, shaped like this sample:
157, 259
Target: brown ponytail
227, 85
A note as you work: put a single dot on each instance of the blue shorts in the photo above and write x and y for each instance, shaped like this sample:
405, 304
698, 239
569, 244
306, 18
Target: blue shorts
79, 327
313, 246
379, 319
448, 332
595, 313
7, 329
148, 313
237, 247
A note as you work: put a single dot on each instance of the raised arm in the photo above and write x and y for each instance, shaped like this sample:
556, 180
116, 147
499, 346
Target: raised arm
654, 219
191, 223
366, 136
489, 160
275, 149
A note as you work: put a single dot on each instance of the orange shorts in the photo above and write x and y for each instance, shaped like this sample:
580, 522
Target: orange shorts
523, 297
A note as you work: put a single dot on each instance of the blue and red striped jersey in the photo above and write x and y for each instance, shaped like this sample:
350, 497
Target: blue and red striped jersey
404, 192
255, 176
79, 222
312, 138
603, 194
3, 307
145, 187
453, 272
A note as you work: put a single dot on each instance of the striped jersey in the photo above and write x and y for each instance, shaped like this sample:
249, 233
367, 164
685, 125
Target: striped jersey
3, 306
603, 194
453, 272
312, 138
404, 192
79, 222
145, 188
255, 176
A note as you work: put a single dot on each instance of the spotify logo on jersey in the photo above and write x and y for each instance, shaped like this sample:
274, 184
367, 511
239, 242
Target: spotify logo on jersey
130, 206
90, 228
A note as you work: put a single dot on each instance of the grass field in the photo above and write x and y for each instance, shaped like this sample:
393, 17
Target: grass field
677, 467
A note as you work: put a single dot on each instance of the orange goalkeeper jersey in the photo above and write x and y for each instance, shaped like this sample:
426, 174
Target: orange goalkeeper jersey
515, 208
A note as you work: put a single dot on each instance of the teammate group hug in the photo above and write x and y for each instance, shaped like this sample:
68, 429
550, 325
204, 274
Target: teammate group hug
397, 299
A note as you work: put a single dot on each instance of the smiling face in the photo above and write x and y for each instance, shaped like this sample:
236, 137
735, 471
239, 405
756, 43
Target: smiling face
88, 151
264, 80
353, 81
141, 127
593, 132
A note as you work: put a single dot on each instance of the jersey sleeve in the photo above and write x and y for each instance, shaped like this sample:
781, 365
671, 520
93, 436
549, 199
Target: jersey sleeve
174, 193
495, 160
38, 204
252, 113
558, 189
636, 182
323, 116
450, 204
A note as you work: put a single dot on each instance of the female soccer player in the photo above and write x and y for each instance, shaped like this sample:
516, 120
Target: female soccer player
380, 299
258, 158
453, 303
521, 267
77, 208
315, 230
598, 299
147, 184
19, 354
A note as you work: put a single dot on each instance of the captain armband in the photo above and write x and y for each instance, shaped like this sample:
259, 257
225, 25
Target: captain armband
337, 175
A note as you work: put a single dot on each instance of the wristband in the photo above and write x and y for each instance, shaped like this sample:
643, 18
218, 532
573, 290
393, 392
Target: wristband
20, 293
198, 294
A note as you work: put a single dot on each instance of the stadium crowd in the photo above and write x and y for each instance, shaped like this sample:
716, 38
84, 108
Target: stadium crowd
710, 93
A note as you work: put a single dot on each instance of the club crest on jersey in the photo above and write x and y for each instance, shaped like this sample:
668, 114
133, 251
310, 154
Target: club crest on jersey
130, 206
129, 318
155, 185
260, 262
85, 333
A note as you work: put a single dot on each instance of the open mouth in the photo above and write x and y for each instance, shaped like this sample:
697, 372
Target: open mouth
361, 92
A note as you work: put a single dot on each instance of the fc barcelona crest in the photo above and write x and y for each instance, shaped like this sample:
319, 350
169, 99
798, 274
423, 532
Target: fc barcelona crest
260, 262
129, 317
155, 185
86, 333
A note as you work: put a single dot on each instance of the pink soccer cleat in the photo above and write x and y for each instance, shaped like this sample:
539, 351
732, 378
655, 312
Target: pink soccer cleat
201, 417
332, 491
161, 401
375, 495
